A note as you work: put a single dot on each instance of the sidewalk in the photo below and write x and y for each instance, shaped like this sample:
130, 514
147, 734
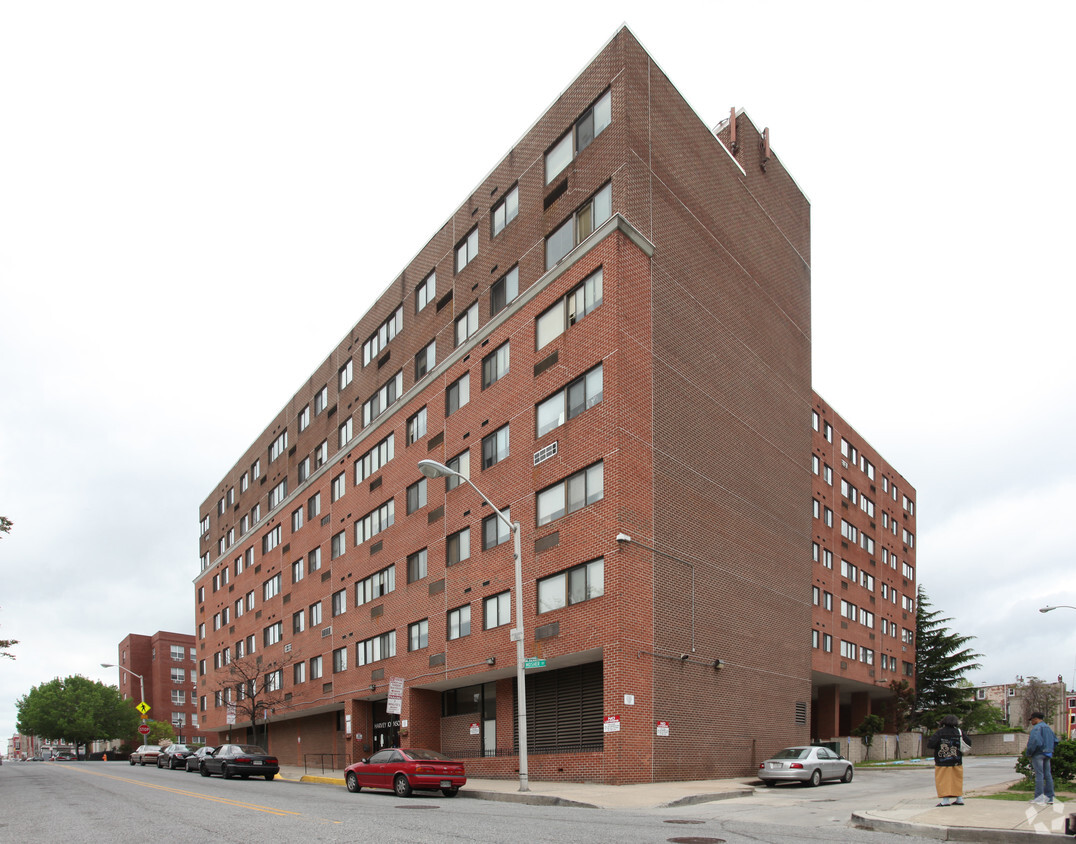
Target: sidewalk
980, 820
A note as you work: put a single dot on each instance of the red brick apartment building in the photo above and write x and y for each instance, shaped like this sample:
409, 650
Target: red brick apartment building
863, 586
611, 338
167, 664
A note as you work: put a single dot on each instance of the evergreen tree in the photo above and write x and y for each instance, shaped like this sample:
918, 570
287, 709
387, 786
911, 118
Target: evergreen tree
941, 661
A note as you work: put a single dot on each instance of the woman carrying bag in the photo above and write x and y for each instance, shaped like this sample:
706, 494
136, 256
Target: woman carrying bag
948, 744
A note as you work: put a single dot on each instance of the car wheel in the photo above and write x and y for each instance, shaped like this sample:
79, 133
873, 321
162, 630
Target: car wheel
450, 792
847, 775
245, 776
401, 786
131, 761
203, 770
224, 772
352, 783
816, 778
142, 761
270, 777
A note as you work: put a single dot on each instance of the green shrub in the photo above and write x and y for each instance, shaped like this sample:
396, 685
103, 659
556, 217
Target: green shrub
1063, 765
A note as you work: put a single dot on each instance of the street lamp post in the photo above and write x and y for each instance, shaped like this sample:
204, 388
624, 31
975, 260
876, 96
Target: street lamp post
1058, 607
433, 469
141, 684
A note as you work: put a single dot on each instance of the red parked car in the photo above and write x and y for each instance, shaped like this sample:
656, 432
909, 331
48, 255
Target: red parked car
404, 769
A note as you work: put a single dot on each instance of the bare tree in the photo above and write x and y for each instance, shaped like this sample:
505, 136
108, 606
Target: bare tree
254, 686
1041, 697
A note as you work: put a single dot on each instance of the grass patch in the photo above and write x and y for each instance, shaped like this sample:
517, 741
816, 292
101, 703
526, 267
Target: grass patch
1021, 792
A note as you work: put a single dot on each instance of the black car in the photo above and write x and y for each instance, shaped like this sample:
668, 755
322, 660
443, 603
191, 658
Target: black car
242, 759
194, 761
174, 756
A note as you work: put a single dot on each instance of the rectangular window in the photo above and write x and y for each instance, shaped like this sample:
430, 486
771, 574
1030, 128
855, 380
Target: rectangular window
581, 394
497, 610
380, 401
339, 602
416, 426
298, 673
339, 545
321, 400
273, 633
426, 359
347, 372
313, 560
574, 492
315, 668
339, 660
375, 521
418, 635
377, 584
278, 446
416, 566
848, 650
459, 622
271, 540
271, 587
250, 599
495, 365
569, 310
591, 124
380, 338
467, 249
376, 649
458, 546
458, 394
338, 486
345, 433
244, 482
278, 493
495, 447
495, 531
321, 454
298, 622
467, 324
426, 292
304, 419
460, 463
315, 614
505, 211
296, 519
579, 226
256, 470
298, 571
573, 586
375, 458
503, 291
416, 496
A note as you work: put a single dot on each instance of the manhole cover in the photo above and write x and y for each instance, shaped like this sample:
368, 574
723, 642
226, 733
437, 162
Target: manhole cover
675, 821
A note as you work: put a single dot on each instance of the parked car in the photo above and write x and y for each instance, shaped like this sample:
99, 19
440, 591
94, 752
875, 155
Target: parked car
194, 760
808, 765
243, 759
404, 769
145, 753
174, 756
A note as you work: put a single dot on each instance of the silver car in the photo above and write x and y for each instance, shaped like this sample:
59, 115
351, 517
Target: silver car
808, 765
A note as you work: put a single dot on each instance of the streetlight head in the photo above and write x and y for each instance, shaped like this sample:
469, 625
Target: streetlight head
623, 537
433, 469
1047, 609
108, 665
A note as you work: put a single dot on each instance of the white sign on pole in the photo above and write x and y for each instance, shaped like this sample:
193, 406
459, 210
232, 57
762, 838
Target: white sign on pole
231, 714
394, 704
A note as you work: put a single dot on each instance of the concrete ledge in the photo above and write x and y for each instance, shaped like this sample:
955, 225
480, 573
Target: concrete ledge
322, 780
973, 834
524, 797
694, 799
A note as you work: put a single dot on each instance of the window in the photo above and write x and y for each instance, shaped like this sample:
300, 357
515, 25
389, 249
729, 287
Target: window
339, 602
816, 596
495, 447
593, 121
503, 291
347, 372
298, 622
909, 505
573, 586
278, 493
296, 519
239, 609
315, 668
377, 584
298, 673
376, 648
426, 359
250, 599
460, 463
907, 571
298, 571
495, 365
909, 538
416, 426
849, 610
505, 211
848, 650
576, 305
338, 487
416, 566
256, 470
866, 581
426, 292
339, 660
313, 560
578, 490
278, 446
321, 400
497, 610
304, 419
313, 506
179, 697
849, 531
495, 531
271, 587
459, 622
203, 527
244, 482
339, 545
271, 540
315, 614
346, 432
458, 546
375, 521
380, 401
827, 643
416, 496
579, 226
866, 618
458, 394
380, 338
321, 454
848, 570
467, 324
418, 635
375, 458
581, 394
467, 249
273, 633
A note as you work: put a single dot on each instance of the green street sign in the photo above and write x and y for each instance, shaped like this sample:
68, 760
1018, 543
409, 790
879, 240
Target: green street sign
533, 662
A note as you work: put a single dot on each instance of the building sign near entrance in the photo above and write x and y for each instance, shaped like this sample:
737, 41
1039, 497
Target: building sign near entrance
663, 728
395, 700
474, 729
612, 724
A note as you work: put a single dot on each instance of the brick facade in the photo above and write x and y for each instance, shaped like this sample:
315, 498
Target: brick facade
166, 663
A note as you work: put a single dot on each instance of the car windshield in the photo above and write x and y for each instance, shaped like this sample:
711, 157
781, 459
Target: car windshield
426, 755
251, 748
178, 748
792, 753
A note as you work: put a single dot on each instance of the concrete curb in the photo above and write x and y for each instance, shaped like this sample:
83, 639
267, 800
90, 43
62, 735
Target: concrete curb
973, 834
694, 799
528, 799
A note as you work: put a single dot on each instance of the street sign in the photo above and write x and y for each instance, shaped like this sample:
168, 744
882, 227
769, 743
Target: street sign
533, 662
143, 707
143, 729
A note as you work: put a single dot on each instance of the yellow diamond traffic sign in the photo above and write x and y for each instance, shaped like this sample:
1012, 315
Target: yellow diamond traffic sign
143, 707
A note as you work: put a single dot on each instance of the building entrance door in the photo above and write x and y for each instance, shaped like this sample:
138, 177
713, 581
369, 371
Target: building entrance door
386, 726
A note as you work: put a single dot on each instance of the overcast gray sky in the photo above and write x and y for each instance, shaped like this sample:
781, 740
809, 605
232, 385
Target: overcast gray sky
198, 200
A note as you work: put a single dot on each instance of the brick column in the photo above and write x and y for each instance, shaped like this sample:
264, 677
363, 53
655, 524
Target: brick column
827, 712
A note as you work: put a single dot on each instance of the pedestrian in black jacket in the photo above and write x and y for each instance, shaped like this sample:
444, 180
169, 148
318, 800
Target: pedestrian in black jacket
948, 761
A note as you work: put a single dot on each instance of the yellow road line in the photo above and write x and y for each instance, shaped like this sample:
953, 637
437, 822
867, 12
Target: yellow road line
183, 793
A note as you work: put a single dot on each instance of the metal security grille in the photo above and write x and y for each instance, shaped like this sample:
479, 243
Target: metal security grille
564, 710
